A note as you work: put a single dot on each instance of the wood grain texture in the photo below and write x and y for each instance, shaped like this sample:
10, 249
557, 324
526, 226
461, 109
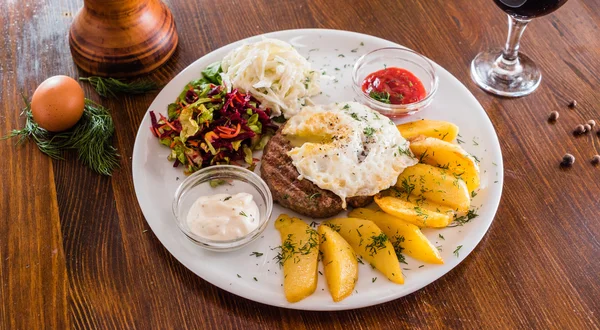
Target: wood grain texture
75, 250
122, 38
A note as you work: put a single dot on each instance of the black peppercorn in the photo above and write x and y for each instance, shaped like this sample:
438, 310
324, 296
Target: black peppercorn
567, 160
553, 116
579, 130
587, 127
596, 160
591, 122
572, 104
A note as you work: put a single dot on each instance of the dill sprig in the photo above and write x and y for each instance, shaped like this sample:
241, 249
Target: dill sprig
110, 87
91, 137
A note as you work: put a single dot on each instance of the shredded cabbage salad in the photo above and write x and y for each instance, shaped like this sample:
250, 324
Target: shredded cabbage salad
206, 125
274, 73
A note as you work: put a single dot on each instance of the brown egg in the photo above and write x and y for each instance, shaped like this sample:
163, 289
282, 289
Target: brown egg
57, 103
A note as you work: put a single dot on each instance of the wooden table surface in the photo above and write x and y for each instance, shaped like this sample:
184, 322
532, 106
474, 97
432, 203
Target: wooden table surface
76, 252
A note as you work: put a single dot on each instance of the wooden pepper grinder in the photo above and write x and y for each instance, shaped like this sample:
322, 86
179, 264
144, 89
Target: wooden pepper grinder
122, 38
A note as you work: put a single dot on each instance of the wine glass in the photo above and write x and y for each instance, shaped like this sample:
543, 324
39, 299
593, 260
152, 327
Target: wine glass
507, 72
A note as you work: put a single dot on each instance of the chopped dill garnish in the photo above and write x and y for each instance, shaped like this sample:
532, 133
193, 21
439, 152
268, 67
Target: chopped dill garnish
355, 116
369, 131
407, 187
313, 196
242, 213
383, 97
333, 226
397, 241
405, 151
457, 249
256, 254
459, 221
377, 243
373, 279
441, 236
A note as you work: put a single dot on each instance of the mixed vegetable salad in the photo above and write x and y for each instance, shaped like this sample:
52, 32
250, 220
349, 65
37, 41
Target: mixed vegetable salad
206, 125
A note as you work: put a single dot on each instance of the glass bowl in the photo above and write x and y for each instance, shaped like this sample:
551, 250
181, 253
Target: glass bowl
402, 58
222, 179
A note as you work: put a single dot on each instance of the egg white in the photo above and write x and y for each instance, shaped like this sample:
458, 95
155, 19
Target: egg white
352, 150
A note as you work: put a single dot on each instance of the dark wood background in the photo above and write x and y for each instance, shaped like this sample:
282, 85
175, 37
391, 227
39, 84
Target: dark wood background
76, 252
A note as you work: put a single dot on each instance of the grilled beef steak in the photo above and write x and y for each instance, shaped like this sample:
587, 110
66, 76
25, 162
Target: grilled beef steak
301, 196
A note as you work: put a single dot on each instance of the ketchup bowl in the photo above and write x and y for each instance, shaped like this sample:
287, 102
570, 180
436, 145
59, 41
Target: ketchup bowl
395, 81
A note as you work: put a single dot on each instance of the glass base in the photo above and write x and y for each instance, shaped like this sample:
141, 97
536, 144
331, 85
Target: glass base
506, 78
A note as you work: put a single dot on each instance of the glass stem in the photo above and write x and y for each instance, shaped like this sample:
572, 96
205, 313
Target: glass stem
516, 27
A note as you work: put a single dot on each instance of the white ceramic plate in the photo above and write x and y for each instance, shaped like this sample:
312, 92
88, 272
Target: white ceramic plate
156, 180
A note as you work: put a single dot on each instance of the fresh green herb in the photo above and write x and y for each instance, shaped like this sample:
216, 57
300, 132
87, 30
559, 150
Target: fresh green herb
457, 249
459, 141
373, 279
287, 250
313, 196
354, 50
216, 182
346, 107
473, 194
369, 131
110, 87
227, 198
421, 213
333, 226
212, 73
443, 137
405, 151
355, 116
460, 221
314, 224
407, 187
337, 69
397, 241
360, 261
440, 236
256, 254
377, 243
475, 142
476, 159
423, 156
421, 266
358, 232
255, 279
286, 196
341, 55
238, 275
242, 213
383, 97
320, 273
91, 137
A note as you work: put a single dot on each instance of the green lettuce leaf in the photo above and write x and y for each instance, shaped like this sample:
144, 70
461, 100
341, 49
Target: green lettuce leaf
212, 73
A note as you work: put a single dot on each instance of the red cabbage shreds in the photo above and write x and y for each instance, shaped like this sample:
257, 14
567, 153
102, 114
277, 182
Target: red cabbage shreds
212, 126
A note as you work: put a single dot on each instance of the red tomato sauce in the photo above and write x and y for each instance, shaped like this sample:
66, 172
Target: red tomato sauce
394, 86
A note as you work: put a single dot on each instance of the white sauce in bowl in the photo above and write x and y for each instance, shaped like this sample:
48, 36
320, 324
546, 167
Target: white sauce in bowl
223, 217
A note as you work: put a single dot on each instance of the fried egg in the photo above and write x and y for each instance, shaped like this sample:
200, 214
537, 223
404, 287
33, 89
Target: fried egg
347, 148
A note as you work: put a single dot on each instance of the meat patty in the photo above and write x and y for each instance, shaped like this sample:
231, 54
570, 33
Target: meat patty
301, 196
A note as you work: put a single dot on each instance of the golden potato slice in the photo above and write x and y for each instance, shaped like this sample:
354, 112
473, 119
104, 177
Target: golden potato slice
422, 202
447, 155
435, 184
298, 256
404, 236
412, 213
339, 263
442, 130
371, 243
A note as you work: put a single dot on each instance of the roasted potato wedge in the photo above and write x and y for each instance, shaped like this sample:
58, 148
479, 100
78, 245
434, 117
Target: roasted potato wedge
435, 184
371, 243
339, 263
447, 155
442, 130
298, 256
412, 213
406, 235
426, 204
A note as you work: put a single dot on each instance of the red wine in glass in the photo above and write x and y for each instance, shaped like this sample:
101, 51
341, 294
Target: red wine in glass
505, 72
529, 8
